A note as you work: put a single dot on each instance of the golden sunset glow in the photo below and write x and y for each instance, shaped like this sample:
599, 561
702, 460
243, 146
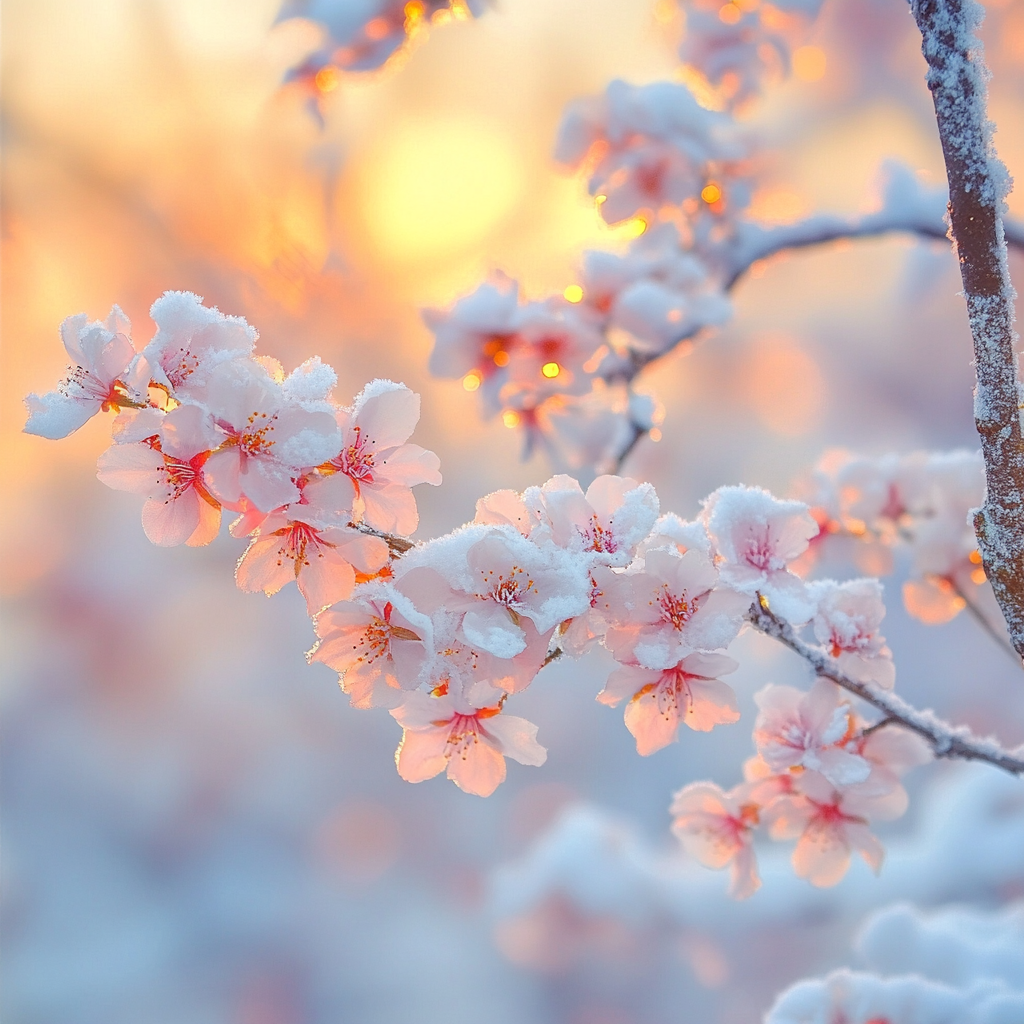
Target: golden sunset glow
438, 188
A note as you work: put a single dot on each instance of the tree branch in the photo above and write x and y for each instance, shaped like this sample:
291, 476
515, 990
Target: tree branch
978, 184
947, 741
758, 243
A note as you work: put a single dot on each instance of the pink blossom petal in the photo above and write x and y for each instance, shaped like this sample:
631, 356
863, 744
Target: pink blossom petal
387, 413
518, 739
410, 464
131, 467
477, 768
172, 521
390, 508
421, 754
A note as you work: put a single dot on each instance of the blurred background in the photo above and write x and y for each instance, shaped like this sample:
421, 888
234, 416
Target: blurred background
197, 828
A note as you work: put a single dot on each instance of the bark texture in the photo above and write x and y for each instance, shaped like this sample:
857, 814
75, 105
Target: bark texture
978, 183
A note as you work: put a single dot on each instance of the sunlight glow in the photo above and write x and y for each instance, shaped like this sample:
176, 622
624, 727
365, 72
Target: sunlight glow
551, 370
438, 187
573, 293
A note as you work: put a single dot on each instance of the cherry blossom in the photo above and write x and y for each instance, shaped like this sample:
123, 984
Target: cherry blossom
891, 752
607, 523
268, 440
475, 338
738, 47
808, 730
847, 624
506, 579
167, 466
659, 700
98, 378
322, 559
379, 642
670, 607
376, 458
191, 340
469, 735
717, 829
829, 825
647, 145
755, 536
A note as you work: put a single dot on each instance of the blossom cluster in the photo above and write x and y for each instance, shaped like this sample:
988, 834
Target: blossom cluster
204, 426
740, 45
443, 632
362, 36
677, 175
867, 508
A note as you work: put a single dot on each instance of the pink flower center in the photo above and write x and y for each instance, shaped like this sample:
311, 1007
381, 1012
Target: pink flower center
356, 461
508, 591
255, 438
296, 540
597, 538
759, 551
673, 693
464, 732
676, 609
179, 366
179, 476
84, 386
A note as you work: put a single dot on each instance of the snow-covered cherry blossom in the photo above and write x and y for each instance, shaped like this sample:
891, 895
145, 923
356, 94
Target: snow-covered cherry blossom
379, 643
191, 340
645, 146
829, 825
606, 524
755, 537
717, 828
98, 377
474, 339
467, 734
739, 47
269, 440
660, 700
376, 457
505, 579
946, 565
891, 752
321, 558
847, 623
166, 464
808, 730
669, 608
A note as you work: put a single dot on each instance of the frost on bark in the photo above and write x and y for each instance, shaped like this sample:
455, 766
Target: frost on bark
978, 184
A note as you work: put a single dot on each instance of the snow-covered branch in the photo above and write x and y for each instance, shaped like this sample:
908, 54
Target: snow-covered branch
947, 741
978, 184
758, 243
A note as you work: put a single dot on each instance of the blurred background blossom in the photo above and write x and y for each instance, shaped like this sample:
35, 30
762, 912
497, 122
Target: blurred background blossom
196, 825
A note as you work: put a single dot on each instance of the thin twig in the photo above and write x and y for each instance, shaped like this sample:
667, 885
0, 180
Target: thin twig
763, 243
946, 741
552, 656
398, 545
880, 724
983, 620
